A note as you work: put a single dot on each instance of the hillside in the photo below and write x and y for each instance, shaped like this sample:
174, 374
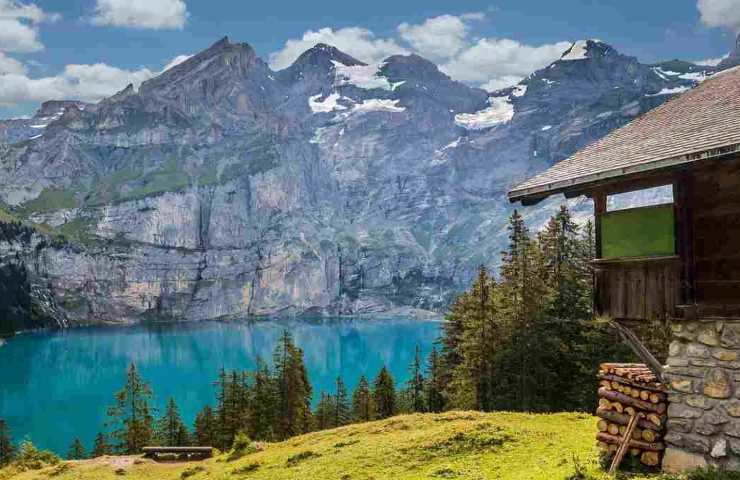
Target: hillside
224, 189
460, 445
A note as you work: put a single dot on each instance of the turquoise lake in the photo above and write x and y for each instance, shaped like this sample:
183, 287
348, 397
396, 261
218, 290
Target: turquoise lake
55, 386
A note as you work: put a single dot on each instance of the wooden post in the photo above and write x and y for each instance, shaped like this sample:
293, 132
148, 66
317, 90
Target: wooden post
625, 443
599, 198
684, 237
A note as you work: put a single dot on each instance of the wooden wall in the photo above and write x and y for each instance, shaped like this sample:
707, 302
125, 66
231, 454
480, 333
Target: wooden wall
716, 231
637, 289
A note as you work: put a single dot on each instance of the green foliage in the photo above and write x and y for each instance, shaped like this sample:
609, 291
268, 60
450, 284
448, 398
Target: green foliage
29, 457
205, 429
342, 411
76, 450
7, 450
131, 415
363, 405
294, 460
49, 199
416, 384
192, 471
293, 388
170, 430
384, 394
242, 446
516, 343
100, 447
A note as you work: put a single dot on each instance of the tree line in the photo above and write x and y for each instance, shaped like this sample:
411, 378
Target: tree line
525, 341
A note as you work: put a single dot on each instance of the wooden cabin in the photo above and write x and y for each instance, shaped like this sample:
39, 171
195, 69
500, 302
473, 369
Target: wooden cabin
675, 256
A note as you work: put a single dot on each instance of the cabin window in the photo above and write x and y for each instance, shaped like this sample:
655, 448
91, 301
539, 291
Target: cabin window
639, 224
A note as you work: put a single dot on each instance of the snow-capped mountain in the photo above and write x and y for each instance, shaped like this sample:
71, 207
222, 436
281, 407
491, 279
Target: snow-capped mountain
222, 188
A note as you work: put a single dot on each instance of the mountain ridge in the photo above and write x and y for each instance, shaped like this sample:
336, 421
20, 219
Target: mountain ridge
224, 189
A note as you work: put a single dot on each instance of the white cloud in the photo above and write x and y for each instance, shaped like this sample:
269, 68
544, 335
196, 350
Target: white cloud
145, 14
356, 41
176, 61
711, 62
492, 63
11, 65
79, 82
19, 26
720, 13
500, 62
439, 38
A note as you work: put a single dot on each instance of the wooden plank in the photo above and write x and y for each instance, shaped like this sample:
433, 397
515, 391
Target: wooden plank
625, 443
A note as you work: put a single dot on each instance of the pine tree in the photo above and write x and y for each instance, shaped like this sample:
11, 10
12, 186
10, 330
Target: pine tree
384, 394
415, 384
7, 450
76, 450
342, 413
325, 412
171, 431
205, 427
100, 446
363, 408
294, 389
263, 424
131, 415
434, 384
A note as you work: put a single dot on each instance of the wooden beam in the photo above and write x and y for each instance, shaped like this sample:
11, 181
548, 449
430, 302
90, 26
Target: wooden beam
684, 234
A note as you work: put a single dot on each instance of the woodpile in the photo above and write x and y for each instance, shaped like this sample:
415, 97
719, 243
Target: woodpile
630, 391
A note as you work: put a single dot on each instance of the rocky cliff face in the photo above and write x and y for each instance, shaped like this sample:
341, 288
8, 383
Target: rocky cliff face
223, 189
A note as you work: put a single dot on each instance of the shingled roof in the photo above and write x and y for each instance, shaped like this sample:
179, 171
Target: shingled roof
701, 123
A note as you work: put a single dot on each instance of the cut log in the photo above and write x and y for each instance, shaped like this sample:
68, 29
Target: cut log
635, 452
602, 425
602, 445
613, 429
615, 440
637, 434
617, 407
622, 419
635, 393
605, 404
656, 397
607, 384
661, 408
626, 400
649, 435
651, 459
630, 411
644, 395
651, 386
655, 419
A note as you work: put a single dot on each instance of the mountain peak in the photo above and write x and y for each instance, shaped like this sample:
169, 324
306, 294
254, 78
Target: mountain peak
584, 49
322, 55
235, 57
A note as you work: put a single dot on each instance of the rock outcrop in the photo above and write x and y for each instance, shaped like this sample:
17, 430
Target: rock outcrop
224, 189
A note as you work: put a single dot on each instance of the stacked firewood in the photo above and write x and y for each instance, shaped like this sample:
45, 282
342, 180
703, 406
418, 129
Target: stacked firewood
627, 390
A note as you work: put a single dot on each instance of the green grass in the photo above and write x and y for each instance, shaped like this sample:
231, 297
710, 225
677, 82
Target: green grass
453, 445
49, 200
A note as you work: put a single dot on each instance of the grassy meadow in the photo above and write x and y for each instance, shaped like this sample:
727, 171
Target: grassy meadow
453, 445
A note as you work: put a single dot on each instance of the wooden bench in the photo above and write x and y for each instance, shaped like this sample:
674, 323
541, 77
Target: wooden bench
178, 453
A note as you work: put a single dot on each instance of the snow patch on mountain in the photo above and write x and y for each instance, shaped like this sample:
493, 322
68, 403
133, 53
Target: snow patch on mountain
362, 76
329, 104
668, 91
500, 111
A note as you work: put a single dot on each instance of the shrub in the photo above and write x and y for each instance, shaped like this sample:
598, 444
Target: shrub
189, 472
242, 446
299, 457
31, 458
246, 469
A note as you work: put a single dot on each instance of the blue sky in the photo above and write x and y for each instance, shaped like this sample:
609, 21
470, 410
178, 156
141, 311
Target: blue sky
91, 48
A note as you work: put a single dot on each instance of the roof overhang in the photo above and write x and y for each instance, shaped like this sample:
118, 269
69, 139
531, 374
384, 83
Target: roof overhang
585, 183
